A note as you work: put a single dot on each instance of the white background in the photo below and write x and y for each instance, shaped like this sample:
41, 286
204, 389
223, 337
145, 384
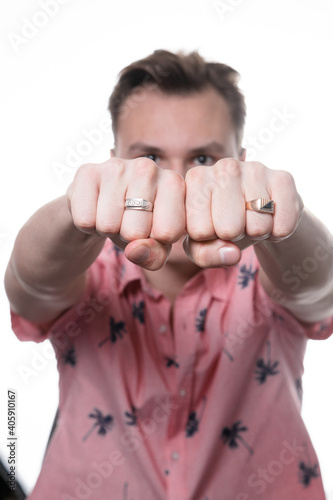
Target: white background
55, 84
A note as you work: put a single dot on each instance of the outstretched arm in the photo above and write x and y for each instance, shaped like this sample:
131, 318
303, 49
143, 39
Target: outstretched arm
298, 272
47, 270
294, 248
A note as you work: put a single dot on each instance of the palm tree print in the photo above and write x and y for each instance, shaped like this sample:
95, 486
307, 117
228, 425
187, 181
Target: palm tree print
246, 275
263, 369
170, 362
200, 320
299, 388
103, 422
117, 250
193, 422
307, 472
116, 329
277, 316
70, 356
231, 436
138, 311
225, 350
131, 416
125, 490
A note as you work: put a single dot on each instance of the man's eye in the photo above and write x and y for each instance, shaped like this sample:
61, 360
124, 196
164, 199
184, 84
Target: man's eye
205, 160
151, 157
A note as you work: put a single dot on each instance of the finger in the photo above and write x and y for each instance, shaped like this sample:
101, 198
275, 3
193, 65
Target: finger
82, 198
256, 185
147, 253
259, 226
110, 206
136, 224
169, 208
199, 223
213, 253
116, 240
228, 200
288, 205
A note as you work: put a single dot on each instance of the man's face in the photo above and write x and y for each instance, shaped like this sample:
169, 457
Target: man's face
178, 133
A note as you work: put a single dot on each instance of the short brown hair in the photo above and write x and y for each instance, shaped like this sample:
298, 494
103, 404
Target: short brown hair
177, 73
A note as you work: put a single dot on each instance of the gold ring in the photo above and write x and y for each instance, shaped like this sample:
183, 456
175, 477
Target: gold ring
261, 205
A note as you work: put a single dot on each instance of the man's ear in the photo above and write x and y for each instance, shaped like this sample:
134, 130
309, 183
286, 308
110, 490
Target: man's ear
242, 154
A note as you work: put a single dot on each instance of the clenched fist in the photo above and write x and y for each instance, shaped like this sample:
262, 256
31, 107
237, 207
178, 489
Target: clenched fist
207, 205
97, 197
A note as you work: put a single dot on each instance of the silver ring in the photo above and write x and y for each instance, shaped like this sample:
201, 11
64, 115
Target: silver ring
138, 204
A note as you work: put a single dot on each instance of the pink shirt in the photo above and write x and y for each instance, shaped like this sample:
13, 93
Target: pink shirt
205, 409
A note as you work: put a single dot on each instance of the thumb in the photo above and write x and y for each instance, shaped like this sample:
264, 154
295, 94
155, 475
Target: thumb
212, 253
147, 253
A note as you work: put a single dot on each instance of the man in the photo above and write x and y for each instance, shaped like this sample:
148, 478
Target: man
180, 372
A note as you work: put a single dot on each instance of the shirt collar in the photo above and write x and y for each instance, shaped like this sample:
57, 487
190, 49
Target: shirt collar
215, 280
129, 272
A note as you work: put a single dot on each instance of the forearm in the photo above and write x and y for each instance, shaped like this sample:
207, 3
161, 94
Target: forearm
48, 263
298, 271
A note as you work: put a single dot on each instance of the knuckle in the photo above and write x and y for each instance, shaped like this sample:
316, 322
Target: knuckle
228, 234
86, 170
195, 174
284, 178
167, 235
198, 233
107, 228
257, 232
128, 234
117, 164
228, 167
282, 232
256, 170
84, 222
285, 225
86, 167
146, 168
199, 255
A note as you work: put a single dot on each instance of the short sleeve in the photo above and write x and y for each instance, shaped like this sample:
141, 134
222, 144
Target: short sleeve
319, 330
26, 330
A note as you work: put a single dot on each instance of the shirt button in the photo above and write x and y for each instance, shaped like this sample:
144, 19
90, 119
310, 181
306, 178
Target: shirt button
182, 393
163, 328
175, 455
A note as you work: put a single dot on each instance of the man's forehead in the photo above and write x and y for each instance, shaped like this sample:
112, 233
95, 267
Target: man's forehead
154, 102
171, 122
